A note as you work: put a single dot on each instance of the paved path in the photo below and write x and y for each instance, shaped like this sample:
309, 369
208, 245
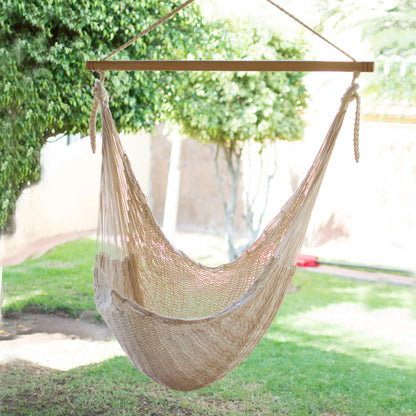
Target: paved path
377, 277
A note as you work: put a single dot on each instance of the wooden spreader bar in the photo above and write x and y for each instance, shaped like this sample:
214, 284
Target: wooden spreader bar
290, 66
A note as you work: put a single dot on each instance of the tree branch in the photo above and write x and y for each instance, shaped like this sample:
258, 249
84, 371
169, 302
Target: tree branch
218, 178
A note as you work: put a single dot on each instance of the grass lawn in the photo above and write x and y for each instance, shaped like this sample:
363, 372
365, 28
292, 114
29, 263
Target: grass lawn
337, 347
59, 281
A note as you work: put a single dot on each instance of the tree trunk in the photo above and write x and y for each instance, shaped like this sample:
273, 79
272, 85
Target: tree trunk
170, 213
229, 194
267, 168
233, 161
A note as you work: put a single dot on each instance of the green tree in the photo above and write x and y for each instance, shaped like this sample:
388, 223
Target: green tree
389, 30
392, 36
230, 109
46, 90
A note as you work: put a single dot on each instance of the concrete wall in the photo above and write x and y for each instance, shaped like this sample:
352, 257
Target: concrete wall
200, 206
364, 212
64, 204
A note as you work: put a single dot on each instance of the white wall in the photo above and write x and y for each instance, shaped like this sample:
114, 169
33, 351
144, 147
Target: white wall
375, 200
371, 204
64, 204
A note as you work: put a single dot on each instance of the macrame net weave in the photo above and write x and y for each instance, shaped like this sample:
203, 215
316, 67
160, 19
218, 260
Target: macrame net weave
181, 323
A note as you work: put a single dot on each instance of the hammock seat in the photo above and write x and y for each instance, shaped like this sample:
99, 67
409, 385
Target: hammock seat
183, 324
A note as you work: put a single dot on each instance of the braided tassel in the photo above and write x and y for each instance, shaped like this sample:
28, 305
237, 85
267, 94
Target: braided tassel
357, 129
94, 111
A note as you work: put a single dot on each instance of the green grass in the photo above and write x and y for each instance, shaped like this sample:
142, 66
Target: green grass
59, 281
337, 347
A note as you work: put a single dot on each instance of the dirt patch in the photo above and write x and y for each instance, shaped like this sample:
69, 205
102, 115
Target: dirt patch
15, 324
55, 341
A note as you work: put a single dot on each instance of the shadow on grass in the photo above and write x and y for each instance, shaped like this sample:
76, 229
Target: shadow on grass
279, 378
304, 380
110, 388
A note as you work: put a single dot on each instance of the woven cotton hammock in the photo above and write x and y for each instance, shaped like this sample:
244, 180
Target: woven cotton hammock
183, 324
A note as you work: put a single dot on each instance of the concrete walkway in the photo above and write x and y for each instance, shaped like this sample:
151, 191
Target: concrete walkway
377, 277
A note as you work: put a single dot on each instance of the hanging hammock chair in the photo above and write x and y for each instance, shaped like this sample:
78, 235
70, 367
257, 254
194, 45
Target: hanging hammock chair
183, 324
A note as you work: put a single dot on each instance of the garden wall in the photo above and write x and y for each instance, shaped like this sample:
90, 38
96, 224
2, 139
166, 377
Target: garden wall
64, 204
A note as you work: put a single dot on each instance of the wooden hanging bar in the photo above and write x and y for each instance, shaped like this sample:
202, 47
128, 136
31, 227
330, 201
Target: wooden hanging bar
289, 66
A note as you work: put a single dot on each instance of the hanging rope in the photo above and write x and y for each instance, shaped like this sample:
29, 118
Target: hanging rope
150, 28
93, 117
310, 29
352, 93
94, 110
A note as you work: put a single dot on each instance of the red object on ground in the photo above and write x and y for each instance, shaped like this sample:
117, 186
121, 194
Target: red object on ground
304, 260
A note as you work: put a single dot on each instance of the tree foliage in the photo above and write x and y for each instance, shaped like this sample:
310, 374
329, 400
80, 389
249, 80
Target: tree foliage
392, 36
231, 108
389, 30
46, 90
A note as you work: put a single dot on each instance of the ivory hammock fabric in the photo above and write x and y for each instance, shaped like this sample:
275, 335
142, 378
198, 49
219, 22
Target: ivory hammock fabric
181, 323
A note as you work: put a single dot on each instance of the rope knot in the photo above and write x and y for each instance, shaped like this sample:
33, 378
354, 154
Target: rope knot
350, 95
100, 93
